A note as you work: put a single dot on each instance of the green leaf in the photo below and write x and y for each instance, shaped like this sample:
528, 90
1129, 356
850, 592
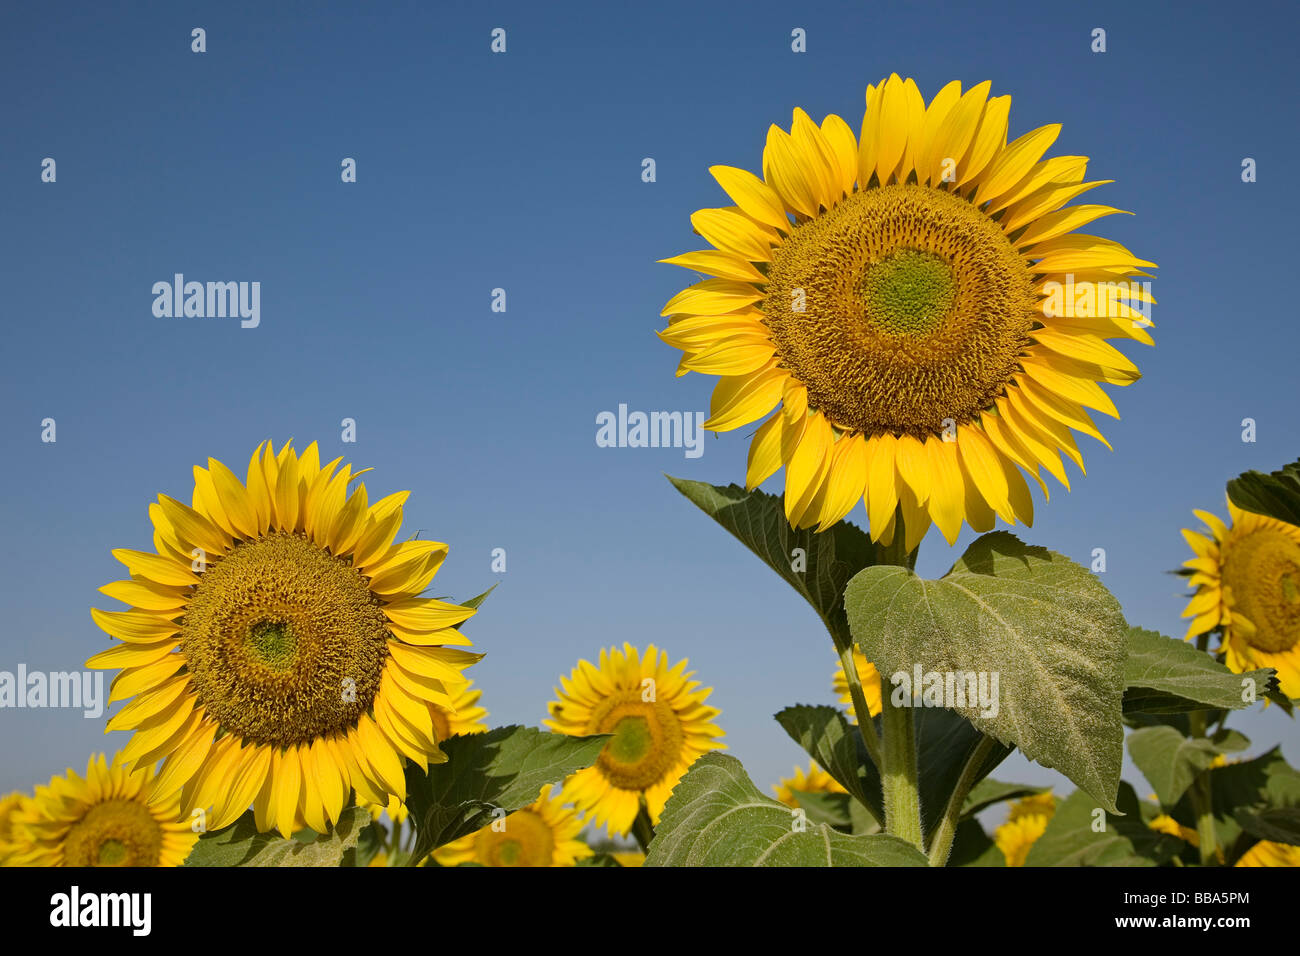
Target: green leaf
1170, 761
717, 817
1045, 626
501, 770
835, 744
241, 845
758, 520
1267, 781
1276, 494
1167, 676
1079, 835
988, 792
831, 809
944, 742
370, 843
1278, 824
971, 846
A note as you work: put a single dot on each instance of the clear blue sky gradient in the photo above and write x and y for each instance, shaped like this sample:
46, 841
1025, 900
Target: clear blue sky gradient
523, 171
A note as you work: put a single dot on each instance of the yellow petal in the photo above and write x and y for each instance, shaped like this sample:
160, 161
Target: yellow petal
764, 453
732, 231
714, 262
755, 197
739, 400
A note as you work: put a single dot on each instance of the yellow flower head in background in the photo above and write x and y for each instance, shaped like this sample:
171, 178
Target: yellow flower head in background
868, 677
916, 301
112, 817
1268, 853
9, 806
542, 834
816, 780
276, 647
1026, 822
1247, 581
659, 722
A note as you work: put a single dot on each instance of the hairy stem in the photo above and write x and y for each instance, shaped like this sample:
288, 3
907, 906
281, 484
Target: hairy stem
941, 842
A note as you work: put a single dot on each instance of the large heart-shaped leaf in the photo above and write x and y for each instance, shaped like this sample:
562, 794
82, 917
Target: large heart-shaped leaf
717, 817
1040, 625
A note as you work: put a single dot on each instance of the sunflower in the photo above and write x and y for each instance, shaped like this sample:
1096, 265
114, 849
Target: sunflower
1268, 853
9, 806
660, 725
868, 676
816, 780
466, 717
276, 650
917, 303
1026, 822
542, 834
1247, 581
632, 858
113, 817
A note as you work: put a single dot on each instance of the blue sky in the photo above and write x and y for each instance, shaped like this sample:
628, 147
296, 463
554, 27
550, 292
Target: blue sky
522, 171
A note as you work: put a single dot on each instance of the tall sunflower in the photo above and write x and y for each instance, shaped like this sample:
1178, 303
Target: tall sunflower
1026, 822
545, 833
1247, 580
112, 817
276, 649
868, 676
916, 301
660, 725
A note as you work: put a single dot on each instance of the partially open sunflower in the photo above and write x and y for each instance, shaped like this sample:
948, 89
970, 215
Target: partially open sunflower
899, 296
277, 650
1247, 580
111, 817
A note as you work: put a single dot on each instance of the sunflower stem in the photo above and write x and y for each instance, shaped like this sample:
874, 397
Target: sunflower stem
941, 842
642, 829
898, 770
861, 710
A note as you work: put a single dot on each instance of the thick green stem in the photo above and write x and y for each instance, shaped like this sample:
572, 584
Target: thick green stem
899, 773
941, 842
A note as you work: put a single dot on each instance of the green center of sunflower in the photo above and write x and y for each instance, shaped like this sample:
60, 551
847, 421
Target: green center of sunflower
908, 292
647, 740
273, 644
632, 740
527, 840
1262, 569
114, 833
284, 642
899, 308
